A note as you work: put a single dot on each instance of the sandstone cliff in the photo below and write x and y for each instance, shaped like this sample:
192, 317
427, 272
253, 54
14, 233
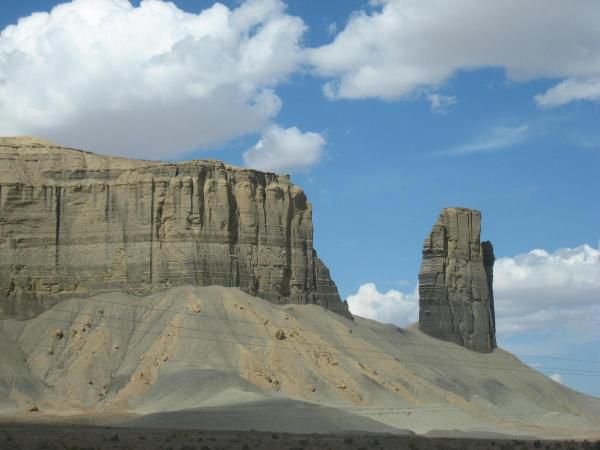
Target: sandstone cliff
456, 301
77, 223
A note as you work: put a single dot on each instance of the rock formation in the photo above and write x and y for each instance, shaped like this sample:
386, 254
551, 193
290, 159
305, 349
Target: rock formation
456, 301
77, 223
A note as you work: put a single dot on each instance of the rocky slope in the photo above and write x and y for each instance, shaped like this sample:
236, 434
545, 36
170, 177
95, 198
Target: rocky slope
456, 301
76, 223
217, 358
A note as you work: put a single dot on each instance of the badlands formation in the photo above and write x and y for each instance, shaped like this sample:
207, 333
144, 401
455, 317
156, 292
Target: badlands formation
189, 295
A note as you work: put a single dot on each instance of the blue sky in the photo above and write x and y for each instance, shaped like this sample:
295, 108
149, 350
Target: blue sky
499, 112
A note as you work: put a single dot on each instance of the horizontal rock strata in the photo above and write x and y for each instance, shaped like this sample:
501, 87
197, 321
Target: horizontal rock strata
456, 301
77, 223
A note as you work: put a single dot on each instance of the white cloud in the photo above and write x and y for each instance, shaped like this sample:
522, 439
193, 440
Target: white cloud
557, 377
440, 103
148, 81
402, 46
493, 139
570, 90
541, 291
534, 292
285, 150
332, 28
390, 307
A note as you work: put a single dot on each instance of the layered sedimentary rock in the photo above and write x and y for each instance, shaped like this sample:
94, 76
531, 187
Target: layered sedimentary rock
456, 301
77, 223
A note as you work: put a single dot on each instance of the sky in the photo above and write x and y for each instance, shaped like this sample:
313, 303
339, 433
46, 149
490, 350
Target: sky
385, 112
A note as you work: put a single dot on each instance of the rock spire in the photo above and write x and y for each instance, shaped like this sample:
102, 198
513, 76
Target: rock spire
456, 301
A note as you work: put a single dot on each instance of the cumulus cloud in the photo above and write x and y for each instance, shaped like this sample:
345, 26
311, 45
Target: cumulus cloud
285, 150
148, 81
534, 292
401, 46
541, 291
390, 307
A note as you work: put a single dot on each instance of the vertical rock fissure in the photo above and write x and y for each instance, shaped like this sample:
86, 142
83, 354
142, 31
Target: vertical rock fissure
201, 181
232, 231
107, 204
152, 188
488, 261
57, 228
264, 207
191, 197
287, 272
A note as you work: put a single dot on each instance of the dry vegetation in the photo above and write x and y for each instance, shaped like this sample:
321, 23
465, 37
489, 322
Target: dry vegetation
25, 437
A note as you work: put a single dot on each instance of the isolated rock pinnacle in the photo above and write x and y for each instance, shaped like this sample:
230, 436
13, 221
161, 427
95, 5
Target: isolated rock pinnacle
456, 300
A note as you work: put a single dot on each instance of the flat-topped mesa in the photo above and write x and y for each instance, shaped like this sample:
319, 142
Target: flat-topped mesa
456, 301
74, 223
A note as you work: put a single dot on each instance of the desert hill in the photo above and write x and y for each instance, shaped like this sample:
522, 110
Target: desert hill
217, 358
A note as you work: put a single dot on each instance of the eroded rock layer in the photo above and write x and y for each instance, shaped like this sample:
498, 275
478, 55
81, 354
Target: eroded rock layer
77, 223
456, 301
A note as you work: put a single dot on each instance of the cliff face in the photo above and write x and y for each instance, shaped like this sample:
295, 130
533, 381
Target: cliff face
456, 301
76, 223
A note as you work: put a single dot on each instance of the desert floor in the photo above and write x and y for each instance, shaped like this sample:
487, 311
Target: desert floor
71, 437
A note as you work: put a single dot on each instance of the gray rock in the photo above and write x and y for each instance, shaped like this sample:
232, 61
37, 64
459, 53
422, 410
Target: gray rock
77, 223
456, 301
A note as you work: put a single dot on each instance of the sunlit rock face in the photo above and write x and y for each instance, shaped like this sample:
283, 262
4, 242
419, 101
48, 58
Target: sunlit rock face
77, 223
456, 301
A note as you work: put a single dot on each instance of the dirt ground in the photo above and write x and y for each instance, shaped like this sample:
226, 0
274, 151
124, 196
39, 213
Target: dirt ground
78, 437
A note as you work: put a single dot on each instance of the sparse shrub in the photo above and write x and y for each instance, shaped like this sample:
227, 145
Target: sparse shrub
115, 438
412, 445
58, 334
303, 442
280, 335
348, 441
537, 444
205, 447
245, 447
